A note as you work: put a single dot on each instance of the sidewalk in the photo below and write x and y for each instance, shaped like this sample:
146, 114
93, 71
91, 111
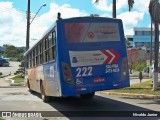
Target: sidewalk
7, 81
135, 80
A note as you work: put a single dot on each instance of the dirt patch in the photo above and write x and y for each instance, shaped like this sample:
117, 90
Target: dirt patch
17, 93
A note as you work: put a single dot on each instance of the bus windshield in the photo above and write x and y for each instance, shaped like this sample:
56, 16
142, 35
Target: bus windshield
91, 32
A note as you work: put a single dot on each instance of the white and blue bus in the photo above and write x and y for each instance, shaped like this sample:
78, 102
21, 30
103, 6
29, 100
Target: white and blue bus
78, 56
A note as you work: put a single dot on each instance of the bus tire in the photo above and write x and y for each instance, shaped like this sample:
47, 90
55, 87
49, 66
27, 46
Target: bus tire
87, 95
43, 96
29, 88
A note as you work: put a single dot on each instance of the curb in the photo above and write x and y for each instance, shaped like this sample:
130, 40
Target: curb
3, 76
132, 95
18, 84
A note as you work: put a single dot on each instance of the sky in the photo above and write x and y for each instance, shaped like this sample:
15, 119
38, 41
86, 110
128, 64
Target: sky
13, 20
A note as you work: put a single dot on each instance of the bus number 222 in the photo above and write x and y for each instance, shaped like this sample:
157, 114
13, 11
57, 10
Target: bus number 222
84, 71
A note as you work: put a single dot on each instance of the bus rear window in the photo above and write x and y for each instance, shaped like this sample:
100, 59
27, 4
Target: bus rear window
91, 32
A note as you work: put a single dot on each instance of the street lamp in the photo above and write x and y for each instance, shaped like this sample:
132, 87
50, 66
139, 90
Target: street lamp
37, 12
29, 23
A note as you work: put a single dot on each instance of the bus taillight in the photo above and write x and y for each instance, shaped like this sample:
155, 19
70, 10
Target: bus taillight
68, 78
124, 68
66, 67
67, 73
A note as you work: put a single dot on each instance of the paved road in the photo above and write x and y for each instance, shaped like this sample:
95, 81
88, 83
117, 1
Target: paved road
19, 99
14, 66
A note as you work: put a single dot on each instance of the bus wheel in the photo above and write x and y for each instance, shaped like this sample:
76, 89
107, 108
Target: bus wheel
29, 87
87, 95
43, 96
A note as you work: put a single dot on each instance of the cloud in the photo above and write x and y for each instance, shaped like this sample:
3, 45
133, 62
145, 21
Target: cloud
141, 5
103, 5
13, 23
106, 5
43, 22
130, 20
121, 4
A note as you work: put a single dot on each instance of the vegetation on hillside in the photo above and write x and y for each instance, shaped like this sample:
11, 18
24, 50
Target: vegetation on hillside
12, 52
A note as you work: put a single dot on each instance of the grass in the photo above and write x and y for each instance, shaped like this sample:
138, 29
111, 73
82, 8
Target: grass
2, 119
142, 88
18, 79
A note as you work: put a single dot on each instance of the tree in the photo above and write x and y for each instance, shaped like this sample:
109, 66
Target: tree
14, 53
130, 6
154, 10
10, 51
139, 66
128, 43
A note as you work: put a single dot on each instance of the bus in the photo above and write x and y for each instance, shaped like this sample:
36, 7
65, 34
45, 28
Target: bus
78, 56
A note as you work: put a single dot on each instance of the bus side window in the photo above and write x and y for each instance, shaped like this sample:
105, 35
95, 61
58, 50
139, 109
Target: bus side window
41, 53
36, 55
46, 50
51, 49
27, 61
33, 58
50, 46
54, 45
30, 60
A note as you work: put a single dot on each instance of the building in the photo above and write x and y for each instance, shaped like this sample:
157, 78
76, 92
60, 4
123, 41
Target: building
141, 40
142, 37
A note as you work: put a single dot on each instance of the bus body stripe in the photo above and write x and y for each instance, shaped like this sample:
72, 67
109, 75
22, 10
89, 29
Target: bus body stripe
109, 56
117, 56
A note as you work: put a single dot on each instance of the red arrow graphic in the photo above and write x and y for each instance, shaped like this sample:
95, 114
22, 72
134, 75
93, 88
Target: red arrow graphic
109, 56
116, 57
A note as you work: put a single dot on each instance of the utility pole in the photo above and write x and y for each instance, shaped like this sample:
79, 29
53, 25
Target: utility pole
28, 26
150, 66
151, 45
114, 9
156, 55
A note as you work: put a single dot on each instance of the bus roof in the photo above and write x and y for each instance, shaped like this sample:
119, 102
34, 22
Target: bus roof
76, 19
